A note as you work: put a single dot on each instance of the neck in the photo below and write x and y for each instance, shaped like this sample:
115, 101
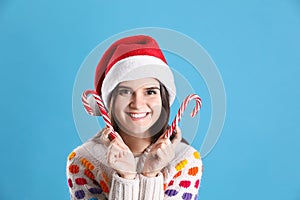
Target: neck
135, 144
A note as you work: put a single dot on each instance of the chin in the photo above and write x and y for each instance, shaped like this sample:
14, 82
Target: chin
139, 132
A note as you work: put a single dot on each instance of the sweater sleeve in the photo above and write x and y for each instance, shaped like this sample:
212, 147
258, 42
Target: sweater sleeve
84, 181
123, 188
183, 176
151, 188
89, 179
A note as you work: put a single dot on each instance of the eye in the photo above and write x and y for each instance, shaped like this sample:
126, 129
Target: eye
151, 92
124, 92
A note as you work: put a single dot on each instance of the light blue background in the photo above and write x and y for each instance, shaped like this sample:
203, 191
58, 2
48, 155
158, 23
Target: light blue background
255, 45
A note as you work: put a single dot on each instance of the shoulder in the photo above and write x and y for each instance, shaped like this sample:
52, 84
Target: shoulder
90, 150
186, 151
87, 171
187, 159
182, 176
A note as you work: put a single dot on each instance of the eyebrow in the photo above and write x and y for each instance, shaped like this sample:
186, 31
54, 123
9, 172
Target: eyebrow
147, 88
152, 88
121, 86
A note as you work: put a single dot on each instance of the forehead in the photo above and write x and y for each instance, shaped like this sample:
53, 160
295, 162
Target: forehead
138, 83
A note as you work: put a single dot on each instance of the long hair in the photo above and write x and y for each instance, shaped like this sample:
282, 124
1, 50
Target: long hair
162, 121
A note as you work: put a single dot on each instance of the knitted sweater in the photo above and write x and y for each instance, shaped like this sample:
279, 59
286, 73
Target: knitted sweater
90, 178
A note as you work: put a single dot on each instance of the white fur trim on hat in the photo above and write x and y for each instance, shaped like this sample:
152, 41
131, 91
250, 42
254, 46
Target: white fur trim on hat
137, 67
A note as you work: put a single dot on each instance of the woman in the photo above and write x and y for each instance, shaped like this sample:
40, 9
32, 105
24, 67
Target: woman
137, 88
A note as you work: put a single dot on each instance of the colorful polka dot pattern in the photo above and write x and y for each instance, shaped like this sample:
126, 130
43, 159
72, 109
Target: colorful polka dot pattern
105, 177
185, 184
87, 164
70, 183
171, 183
197, 183
177, 174
187, 196
81, 181
104, 186
89, 174
79, 194
193, 171
72, 155
74, 169
171, 193
197, 155
181, 164
95, 190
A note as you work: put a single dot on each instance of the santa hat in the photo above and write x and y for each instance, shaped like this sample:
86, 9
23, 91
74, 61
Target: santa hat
132, 58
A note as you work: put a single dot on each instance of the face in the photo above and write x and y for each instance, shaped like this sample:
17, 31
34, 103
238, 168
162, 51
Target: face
137, 106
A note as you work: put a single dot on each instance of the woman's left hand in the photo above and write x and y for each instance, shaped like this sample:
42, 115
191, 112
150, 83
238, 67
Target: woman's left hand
161, 153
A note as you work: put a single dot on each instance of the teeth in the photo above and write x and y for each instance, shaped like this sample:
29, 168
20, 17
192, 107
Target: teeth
140, 115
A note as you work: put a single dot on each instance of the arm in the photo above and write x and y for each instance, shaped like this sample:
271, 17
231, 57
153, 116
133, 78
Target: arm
179, 180
92, 180
83, 179
184, 176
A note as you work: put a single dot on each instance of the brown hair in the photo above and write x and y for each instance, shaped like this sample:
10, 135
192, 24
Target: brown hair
162, 121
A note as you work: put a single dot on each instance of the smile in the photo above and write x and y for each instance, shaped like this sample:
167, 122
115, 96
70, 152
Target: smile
137, 116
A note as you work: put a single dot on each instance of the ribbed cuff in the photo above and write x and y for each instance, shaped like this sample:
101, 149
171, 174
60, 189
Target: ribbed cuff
124, 188
151, 188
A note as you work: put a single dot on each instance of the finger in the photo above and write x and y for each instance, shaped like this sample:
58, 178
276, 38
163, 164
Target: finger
113, 135
159, 153
164, 134
104, 136
117, 135
178, 136
159, 144
107, 140
110, 158
118, 145
106, 131
164, 153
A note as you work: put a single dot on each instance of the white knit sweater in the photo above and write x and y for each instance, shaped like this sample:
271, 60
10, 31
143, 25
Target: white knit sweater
89, 177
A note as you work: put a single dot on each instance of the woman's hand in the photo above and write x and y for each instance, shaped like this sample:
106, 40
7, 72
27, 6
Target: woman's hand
161, 153
119, 157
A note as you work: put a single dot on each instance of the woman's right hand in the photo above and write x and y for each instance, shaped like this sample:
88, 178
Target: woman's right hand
119, 156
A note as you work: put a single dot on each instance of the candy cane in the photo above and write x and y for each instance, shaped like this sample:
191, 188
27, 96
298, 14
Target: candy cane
101, 106
181, 110
108, 122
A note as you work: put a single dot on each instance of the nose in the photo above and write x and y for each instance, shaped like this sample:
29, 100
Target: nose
137, 100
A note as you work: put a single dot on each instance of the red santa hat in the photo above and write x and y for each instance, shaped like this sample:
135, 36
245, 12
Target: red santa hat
132, 58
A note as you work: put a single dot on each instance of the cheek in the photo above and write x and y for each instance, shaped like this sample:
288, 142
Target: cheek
118, 106
120, 103
157, 106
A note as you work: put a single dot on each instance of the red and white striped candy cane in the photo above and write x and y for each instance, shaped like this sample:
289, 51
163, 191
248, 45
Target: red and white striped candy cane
108, 122
101, 107
181, 110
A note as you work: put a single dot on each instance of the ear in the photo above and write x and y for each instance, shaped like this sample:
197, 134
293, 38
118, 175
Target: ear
94, 106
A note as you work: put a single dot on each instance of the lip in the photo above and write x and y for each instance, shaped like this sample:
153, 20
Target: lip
135, 116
